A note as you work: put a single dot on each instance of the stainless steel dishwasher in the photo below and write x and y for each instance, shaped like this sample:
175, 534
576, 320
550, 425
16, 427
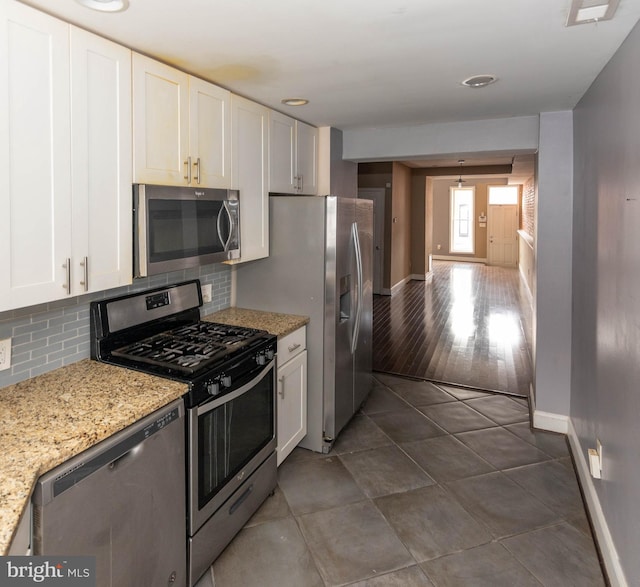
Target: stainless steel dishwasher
122, 501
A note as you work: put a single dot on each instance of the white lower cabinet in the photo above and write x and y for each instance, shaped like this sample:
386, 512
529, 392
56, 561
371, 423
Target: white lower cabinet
292, 392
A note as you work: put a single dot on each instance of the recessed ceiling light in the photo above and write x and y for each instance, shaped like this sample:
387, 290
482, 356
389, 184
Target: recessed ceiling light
295, 102
586, 11
479, 81
105, 5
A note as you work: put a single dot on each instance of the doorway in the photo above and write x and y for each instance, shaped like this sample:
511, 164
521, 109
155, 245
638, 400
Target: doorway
377, 195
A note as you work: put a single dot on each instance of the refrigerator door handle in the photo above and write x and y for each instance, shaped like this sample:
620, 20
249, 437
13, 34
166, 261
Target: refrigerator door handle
358, 253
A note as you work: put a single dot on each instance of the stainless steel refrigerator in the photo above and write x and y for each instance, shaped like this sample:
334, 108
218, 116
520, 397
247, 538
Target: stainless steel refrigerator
320, 265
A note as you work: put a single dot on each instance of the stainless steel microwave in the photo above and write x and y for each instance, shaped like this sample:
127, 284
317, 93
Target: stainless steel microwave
181, 227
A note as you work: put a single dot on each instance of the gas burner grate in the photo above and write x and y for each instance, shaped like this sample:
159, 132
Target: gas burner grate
191, 348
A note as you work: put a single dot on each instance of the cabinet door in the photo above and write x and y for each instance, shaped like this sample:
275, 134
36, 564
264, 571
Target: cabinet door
209, 134
250, 129
282, 153
160, 122
101, 156
292, 404
307, 158
35, 191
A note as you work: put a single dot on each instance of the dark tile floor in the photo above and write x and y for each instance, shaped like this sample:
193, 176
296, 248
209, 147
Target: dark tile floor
427, 486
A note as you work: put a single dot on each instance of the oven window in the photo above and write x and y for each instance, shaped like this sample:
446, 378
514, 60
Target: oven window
184, 228
232, 434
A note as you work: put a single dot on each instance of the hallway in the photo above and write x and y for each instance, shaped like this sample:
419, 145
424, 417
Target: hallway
469, 324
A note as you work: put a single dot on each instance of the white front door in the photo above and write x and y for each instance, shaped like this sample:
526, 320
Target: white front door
502, 229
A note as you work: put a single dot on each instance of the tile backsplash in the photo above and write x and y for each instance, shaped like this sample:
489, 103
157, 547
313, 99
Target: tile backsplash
55, 334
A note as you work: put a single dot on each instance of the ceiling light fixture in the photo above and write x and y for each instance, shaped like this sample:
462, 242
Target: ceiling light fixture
479, 81
105, 5
460, 180
295, 102
589, 11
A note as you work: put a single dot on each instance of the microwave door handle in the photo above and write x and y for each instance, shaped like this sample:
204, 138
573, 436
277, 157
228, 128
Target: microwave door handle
230, 223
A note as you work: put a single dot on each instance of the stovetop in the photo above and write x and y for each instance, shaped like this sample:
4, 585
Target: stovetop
192, 349
160, 331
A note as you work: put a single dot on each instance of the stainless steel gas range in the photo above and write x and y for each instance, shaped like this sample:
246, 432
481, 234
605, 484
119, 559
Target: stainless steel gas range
230, 403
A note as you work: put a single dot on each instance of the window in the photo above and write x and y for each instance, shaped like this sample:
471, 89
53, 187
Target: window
503, 195
462, 213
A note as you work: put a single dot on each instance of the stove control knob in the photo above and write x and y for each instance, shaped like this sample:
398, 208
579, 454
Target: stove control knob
269, 354
213, 388
261, 359
225, 381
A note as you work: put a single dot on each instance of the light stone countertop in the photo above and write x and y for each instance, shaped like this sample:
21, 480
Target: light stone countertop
48, 419
272, 322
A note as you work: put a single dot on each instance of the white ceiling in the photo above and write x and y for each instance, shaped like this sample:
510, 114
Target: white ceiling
365, 63
373, 63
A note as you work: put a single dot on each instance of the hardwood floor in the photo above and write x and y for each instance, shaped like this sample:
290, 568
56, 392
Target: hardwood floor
468, 325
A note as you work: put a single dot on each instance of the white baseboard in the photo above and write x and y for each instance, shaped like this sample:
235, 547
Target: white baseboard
551, 422
398, 286
598, 520
452, 258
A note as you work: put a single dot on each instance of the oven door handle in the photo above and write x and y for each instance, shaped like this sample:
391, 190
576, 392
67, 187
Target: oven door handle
217, 402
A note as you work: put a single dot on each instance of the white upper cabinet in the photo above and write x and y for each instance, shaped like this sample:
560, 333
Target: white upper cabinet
307, 158
35, 185
101, 175
282, 153
53, 225
293, 156
160, 119
250, 157
209, 134
181, 127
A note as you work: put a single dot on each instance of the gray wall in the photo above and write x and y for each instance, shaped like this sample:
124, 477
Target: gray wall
605, 392
52, 335
552, 305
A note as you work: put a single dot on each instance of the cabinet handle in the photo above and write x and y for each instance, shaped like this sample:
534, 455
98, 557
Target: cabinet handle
85, 265
188, 164
281, 390
293, 347
67, 284
197, 166
300, 182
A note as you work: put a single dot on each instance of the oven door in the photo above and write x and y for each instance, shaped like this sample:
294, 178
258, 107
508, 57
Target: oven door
229, 437
179, 227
